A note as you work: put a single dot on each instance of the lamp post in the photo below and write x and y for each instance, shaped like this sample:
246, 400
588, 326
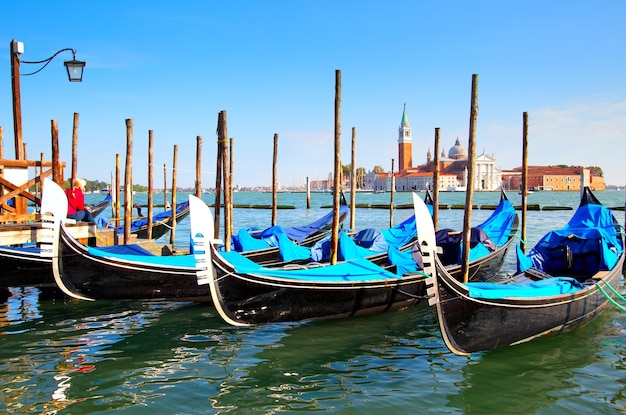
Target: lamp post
74, 74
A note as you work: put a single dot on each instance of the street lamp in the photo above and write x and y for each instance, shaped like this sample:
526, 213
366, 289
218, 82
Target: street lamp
74, 74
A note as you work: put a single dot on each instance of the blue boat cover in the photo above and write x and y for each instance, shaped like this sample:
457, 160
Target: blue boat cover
499, 225
451, 243
366, 242
270, 236
299, 233
372, 239
137, 254
542, 288
400, 234
403, 260
488, 236
246, 242
132, 249
25, 249
588, 243
348, 250
290, 251
358, 270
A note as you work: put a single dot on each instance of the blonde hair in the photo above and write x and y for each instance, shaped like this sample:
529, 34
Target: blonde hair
78, 182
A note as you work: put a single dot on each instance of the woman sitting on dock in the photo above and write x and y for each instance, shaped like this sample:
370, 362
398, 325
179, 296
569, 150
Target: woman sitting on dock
76, 202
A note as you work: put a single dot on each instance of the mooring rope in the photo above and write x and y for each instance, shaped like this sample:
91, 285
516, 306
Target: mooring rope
518, 236
608, 297
621, 297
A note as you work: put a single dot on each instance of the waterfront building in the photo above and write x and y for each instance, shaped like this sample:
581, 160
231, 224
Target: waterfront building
416, 181
553, 178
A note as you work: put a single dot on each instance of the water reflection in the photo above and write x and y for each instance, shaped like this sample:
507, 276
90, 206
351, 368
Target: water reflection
328, 365
21, 305
59, 346
556, 373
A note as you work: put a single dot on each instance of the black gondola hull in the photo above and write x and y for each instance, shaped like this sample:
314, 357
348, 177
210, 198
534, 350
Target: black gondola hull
25, 268
248, 299
470, 325
114, 279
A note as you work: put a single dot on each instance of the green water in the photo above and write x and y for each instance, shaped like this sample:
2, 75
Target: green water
69, 357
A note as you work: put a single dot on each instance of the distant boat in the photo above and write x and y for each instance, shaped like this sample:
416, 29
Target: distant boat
376, 192
456, 188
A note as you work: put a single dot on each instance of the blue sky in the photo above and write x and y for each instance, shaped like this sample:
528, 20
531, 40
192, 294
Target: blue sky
173, 66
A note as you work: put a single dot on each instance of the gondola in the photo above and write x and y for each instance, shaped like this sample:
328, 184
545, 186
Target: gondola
569, 277
23, 265
161, 222
89, 273
98, 208
490, 242
246, 293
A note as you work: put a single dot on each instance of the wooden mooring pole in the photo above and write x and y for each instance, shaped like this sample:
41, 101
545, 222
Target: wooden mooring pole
334, 240
469, 190
150, 183
57, 173
74, 150
218, 177
524, 178
274, 180
393, 190
128, 185
353, 182
116, 190
198, 183
436, 181
174, 167
226, 181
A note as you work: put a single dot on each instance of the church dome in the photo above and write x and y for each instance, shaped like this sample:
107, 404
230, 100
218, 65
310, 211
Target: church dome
458, 151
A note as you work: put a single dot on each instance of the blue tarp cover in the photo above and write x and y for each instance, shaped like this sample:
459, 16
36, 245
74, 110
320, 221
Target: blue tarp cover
542, 288
499, 225
403, 260
246, 242
491, 234
588, 243
366, 242
290, 251
299, 233
137, 254
358, 270
270, 235
400, 234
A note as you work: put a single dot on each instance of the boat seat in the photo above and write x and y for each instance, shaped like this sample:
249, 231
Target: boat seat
577, 257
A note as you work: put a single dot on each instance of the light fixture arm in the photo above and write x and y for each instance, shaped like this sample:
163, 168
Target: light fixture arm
46, 61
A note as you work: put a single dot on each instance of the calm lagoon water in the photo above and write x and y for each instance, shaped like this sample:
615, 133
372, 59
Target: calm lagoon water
69, 357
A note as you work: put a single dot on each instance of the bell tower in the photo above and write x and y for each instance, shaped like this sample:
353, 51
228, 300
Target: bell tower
405, 144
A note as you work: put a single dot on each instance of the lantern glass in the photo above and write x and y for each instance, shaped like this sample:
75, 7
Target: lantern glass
75, 70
